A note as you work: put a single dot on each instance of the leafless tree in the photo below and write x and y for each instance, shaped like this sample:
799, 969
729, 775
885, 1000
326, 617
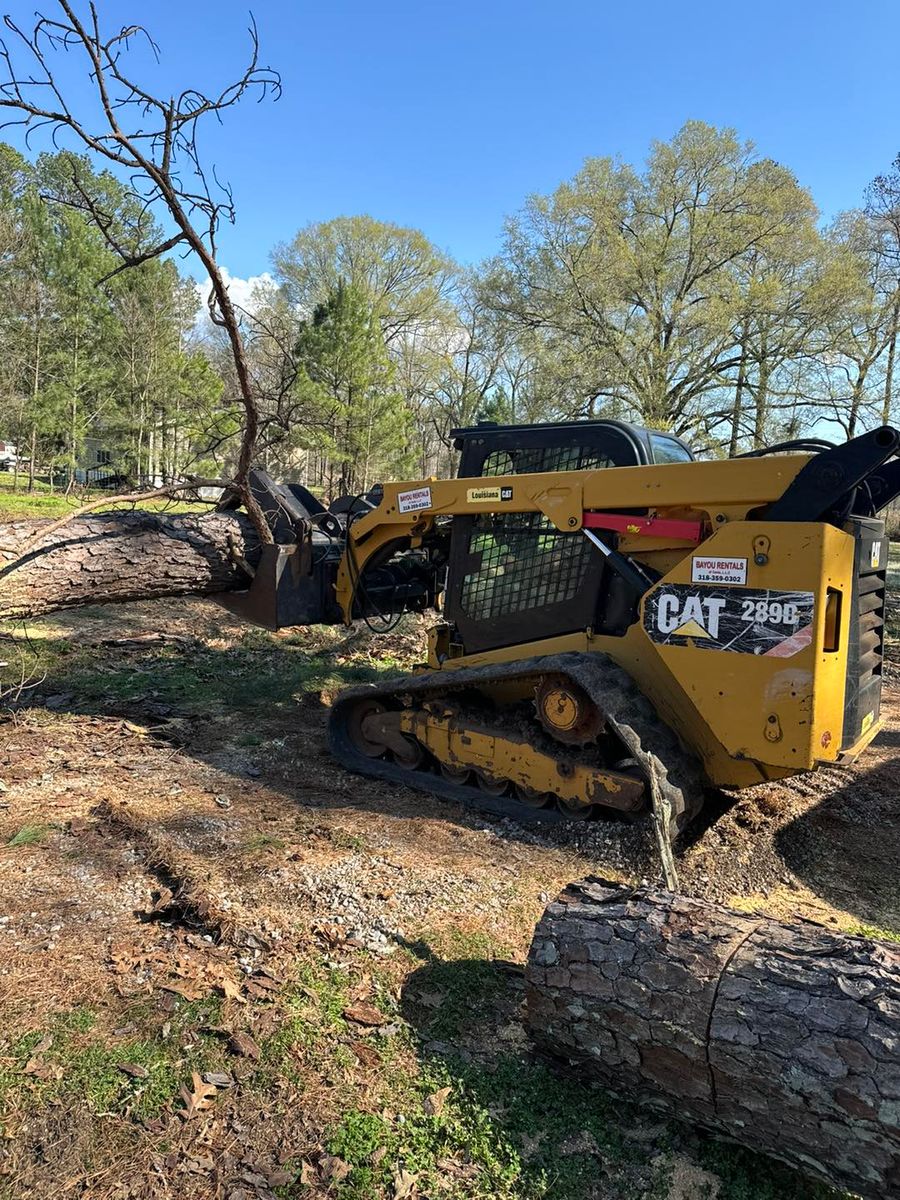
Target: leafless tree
153, 143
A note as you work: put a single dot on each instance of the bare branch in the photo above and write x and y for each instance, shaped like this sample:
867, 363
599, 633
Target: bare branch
155, 141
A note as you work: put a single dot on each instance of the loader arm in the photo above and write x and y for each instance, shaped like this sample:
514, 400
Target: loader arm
707, 494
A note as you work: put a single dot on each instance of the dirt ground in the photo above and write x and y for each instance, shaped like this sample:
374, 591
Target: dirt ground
230, 969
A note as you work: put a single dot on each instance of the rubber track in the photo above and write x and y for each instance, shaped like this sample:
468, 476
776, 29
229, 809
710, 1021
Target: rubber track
649, 740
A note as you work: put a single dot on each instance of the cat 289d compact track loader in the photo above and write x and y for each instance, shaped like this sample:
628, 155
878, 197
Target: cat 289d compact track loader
619, 625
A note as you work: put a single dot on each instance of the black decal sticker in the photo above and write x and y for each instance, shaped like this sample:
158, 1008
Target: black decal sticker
749, 621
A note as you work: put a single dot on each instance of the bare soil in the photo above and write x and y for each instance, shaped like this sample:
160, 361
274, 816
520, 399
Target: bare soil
181, 862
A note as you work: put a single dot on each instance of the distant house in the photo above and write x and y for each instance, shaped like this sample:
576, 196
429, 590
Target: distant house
8, 456
96, 465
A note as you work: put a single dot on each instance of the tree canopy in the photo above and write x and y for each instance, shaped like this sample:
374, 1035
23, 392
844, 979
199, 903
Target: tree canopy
699, 292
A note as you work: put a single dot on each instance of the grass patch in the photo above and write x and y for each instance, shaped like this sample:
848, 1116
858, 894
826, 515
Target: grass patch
312, 1015
345, 840
497, 1135
873, 931
28, 835
503, 1126
83, 1062
199, 678
464, 992
41, 502
514, 1130
264, 841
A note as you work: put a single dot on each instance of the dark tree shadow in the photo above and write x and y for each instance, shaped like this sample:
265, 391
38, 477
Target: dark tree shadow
847, 847
278, 692
222, 706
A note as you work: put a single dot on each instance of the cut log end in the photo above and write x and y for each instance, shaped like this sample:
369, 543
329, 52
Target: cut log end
783, 1037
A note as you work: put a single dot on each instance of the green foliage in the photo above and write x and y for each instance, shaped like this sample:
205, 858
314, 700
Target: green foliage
403, 276
28, 835
92, 361
348, 380
695, 292
84, 1061
642, 271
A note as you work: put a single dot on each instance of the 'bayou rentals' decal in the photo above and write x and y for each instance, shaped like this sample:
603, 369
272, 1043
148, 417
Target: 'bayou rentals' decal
414, 500
749, 621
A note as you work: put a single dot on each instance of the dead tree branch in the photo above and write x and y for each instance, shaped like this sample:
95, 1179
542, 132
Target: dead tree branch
154, 142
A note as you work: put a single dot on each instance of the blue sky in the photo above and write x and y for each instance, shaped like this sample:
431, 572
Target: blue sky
445, 116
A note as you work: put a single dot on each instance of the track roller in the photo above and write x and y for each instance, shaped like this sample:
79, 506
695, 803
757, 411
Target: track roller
419, 730
455, 774
574, 812
532, 798
493, 787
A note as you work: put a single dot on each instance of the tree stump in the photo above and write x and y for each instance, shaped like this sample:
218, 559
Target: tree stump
783, 1037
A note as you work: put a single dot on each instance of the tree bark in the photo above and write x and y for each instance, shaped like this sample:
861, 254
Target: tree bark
105, 558
781, 1037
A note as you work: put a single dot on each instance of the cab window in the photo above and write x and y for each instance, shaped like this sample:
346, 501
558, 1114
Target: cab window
667, 450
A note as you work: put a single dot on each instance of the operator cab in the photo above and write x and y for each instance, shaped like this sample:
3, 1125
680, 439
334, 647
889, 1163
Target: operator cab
491, 449
510, 568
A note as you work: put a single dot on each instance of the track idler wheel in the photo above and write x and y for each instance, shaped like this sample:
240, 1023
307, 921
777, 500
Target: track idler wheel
363, 730
374, 730
566, 711
573, 811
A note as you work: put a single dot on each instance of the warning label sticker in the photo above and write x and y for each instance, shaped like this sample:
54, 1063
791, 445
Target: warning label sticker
754, 621
413, 500
707, 569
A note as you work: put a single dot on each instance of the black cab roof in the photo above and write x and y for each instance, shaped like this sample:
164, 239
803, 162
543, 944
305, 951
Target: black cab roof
564, 445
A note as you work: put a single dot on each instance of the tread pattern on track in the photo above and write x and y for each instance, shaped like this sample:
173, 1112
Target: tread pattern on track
649, 740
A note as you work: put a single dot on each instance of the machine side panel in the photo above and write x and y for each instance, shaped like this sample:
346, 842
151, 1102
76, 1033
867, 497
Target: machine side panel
761, 665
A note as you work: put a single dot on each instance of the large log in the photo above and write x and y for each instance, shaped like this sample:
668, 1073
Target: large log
118, 556
783, 1037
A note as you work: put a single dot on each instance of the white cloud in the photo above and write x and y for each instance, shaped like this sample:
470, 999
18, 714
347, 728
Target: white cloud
242, 292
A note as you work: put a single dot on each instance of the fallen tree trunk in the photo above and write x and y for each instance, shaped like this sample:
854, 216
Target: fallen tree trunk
785, 1038
118, 556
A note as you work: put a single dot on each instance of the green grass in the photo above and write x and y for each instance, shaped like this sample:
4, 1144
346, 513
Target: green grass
506, 1126
506, 1131
874, 931
190, 679
343, 840
264, 841
84, 1061
43, 503
28, 835
501, 1133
